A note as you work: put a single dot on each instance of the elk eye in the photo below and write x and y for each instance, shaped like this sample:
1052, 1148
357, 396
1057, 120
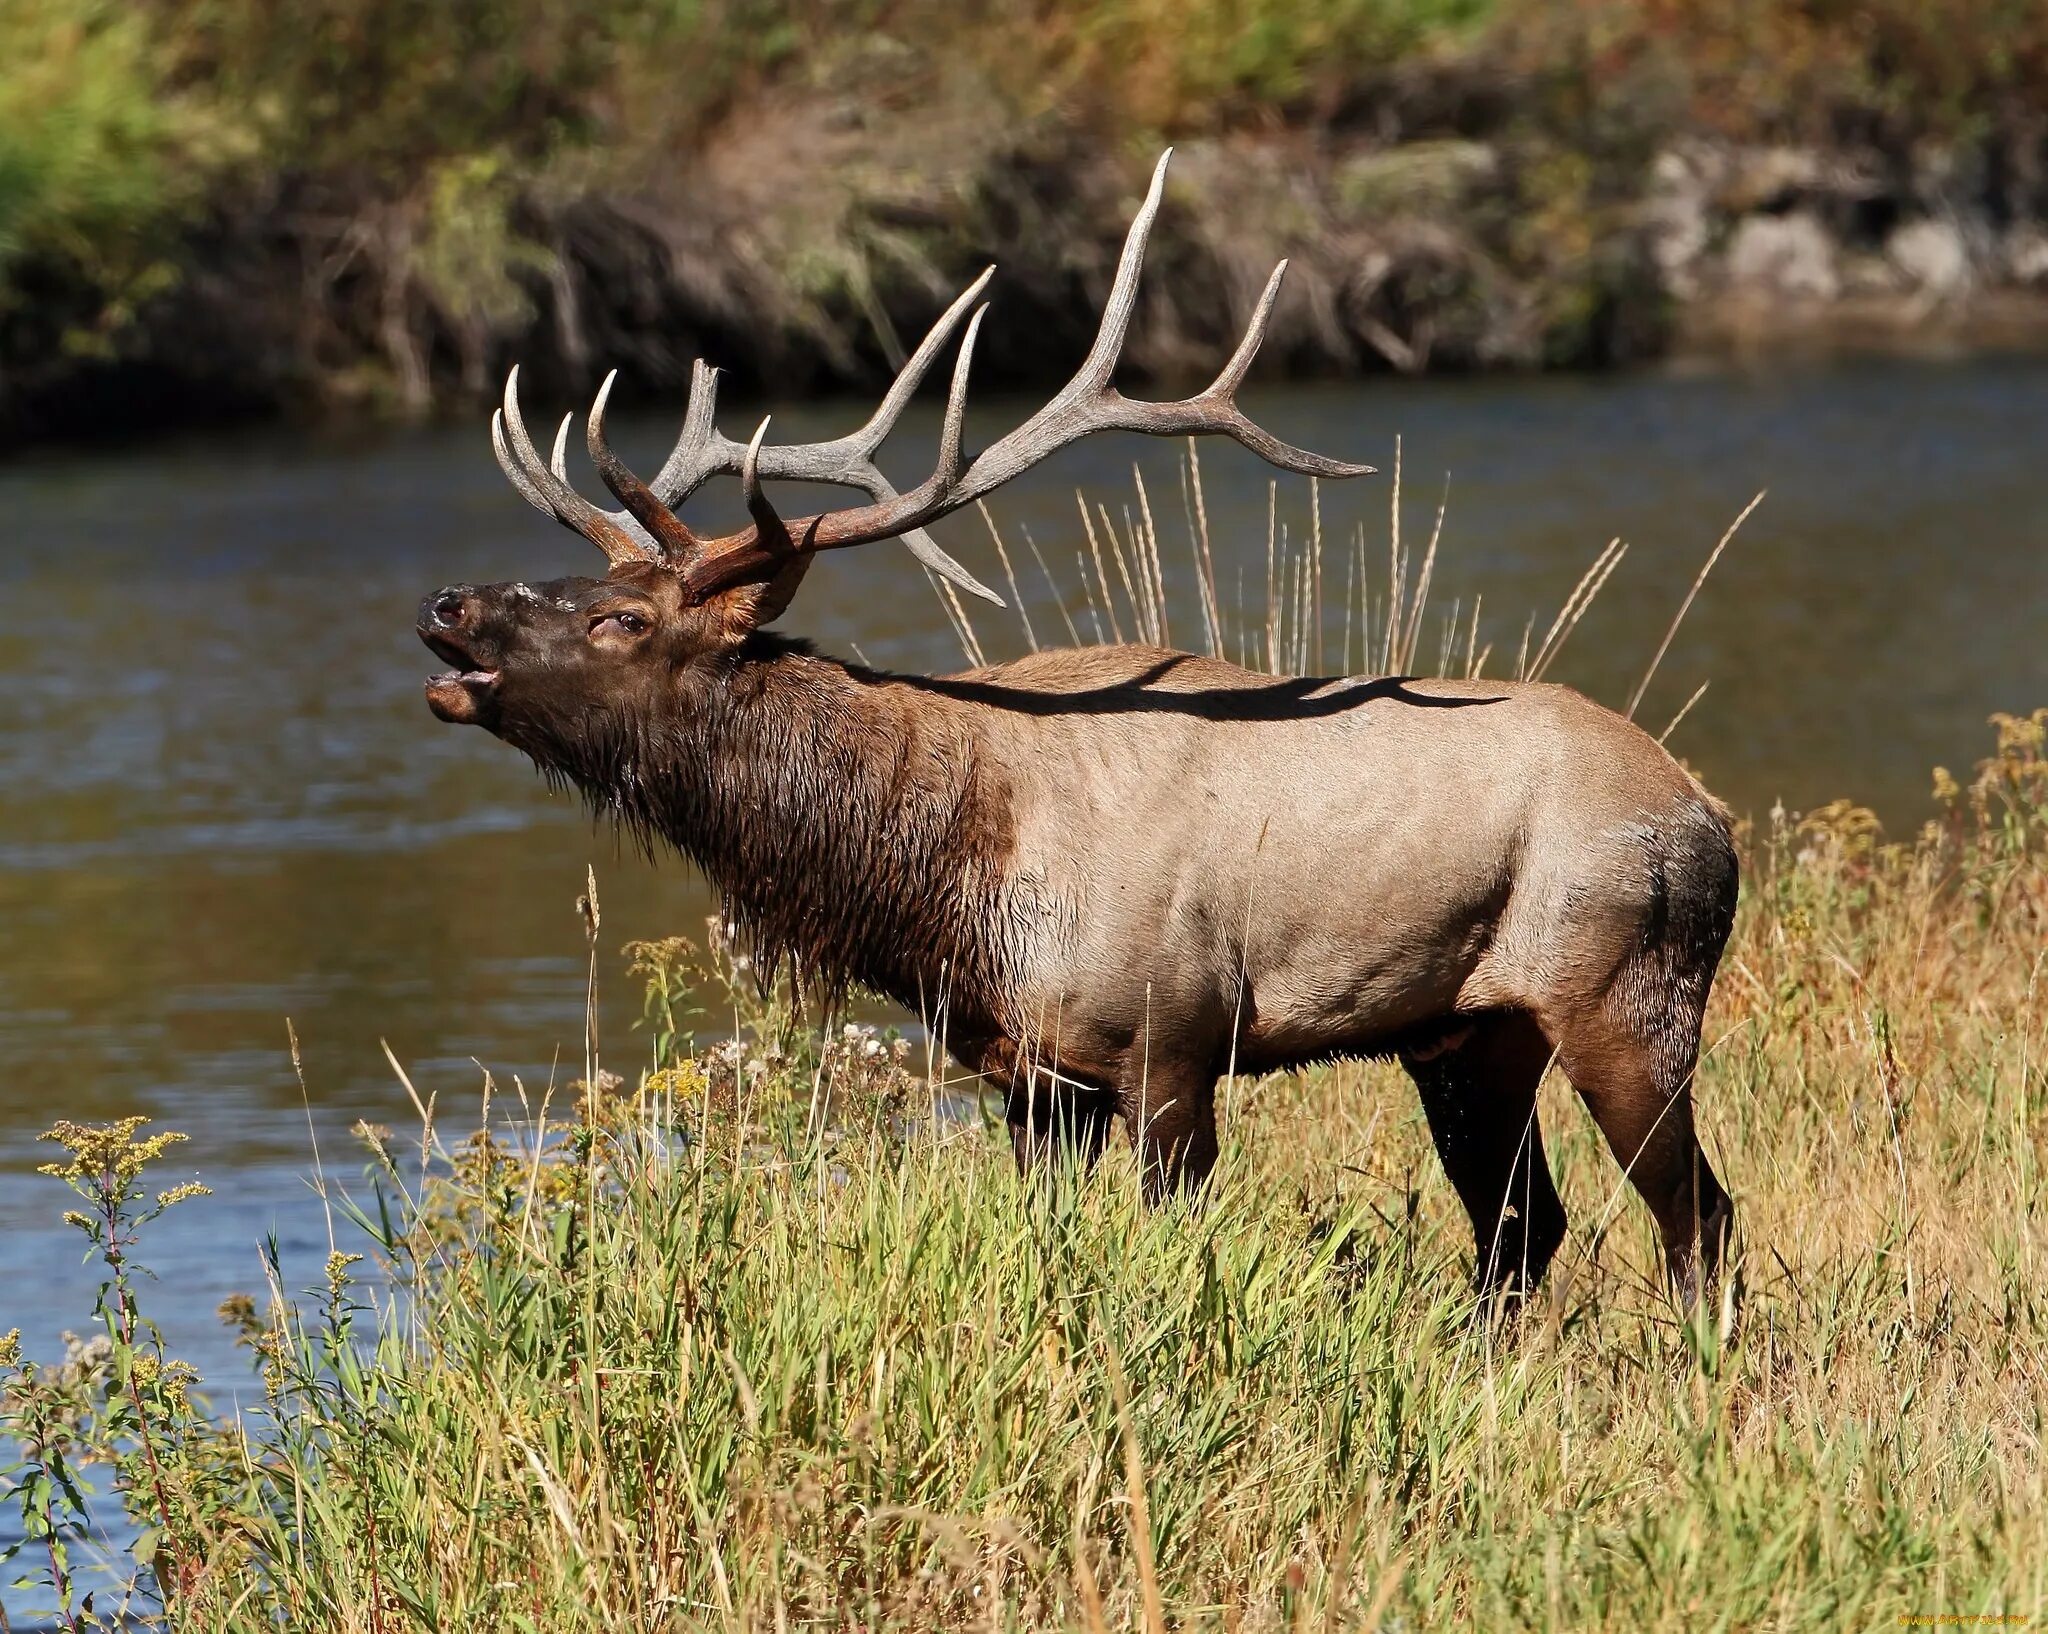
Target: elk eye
627, 622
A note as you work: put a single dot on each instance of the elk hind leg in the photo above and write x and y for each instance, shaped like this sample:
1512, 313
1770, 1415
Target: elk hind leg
1478, 1088
1632, 1063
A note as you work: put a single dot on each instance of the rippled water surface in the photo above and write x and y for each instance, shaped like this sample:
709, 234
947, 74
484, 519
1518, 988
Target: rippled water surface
223, 803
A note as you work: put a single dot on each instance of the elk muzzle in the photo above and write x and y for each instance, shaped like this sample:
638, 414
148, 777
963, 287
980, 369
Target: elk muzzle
464, 629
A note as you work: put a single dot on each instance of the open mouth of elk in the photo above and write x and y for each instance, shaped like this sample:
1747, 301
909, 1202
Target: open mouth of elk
462, 694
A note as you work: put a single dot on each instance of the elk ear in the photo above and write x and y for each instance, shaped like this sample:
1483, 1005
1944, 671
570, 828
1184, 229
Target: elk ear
746, 607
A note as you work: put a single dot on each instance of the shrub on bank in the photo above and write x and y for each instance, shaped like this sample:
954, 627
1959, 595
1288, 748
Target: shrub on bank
237, 205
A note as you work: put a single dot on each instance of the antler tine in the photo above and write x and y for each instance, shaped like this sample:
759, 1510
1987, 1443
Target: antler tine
1225, 385
514, 472
952, 461
864, 473
1100, 365
819, 531
558, 458
703, 405
768, 525
931, 493
1234, 423
700, 452
677, 542
883, 421
547, 490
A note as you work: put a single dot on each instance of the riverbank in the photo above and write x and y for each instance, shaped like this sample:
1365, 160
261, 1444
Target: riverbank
753, 1338
215, 212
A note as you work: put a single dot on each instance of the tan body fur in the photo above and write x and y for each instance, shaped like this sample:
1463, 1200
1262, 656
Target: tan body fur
1169, 867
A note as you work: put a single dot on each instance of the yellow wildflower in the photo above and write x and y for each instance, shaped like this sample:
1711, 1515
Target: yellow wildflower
337, 1269
679, 1083
103, 1153
178, 1379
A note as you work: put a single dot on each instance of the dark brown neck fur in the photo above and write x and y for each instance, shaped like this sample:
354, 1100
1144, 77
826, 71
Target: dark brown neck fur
847, 819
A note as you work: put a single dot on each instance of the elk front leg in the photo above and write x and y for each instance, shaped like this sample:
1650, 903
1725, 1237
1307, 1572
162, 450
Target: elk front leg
1478, 1087
1170, 1111
1048, 1117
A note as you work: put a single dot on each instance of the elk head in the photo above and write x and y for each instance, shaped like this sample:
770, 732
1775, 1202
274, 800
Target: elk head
536, 662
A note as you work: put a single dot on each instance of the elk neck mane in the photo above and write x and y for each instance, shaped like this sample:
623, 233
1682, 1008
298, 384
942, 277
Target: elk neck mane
854, 831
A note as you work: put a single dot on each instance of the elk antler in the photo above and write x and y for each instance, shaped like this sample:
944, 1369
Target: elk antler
759, 553
648, 529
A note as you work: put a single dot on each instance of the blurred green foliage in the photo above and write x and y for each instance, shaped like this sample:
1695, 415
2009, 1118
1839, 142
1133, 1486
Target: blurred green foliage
1171, 63
101, 156
136, 138
1811, 70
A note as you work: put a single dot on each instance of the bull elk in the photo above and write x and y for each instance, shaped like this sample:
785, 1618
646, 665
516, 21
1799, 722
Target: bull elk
1113, 874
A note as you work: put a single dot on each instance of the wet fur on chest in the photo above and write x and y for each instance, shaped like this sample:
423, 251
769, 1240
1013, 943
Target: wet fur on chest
856, 836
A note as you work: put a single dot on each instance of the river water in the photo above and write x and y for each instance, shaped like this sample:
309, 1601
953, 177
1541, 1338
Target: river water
223, 803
